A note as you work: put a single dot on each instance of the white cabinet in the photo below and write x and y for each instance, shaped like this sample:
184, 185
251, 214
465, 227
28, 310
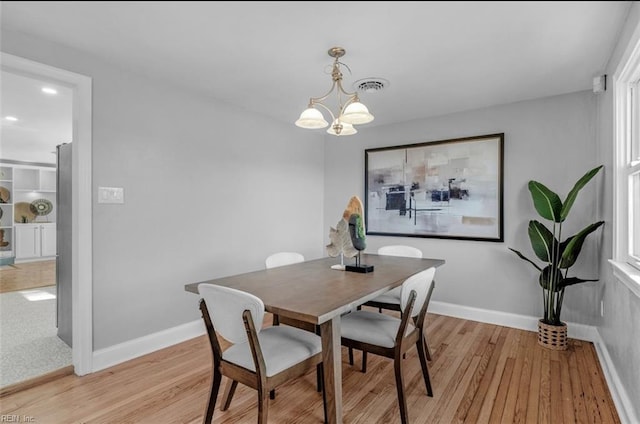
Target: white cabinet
6, 215
47, 240
35, 241
27, 196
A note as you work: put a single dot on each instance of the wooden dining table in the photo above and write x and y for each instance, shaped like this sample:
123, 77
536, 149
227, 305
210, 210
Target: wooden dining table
314, 293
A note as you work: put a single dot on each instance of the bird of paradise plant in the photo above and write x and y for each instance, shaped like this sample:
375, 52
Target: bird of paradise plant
558, 255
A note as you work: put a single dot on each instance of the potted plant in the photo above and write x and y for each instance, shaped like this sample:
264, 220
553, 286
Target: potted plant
558, 256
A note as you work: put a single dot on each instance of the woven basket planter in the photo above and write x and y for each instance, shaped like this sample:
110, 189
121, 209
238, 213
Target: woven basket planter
552, 337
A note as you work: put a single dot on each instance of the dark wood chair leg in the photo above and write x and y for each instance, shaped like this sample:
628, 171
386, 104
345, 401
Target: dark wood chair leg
319, 381
364, 361
423, 362
263, 406
213, 394
324, 393
229, 391
426, 348
276, 319
350, 356
272, 394
402, 401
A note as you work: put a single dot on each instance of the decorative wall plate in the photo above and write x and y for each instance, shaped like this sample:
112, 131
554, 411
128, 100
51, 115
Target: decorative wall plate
5, 195
41, 207
22, 213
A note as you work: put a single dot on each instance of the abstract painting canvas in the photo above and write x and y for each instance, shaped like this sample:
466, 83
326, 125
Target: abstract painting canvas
441, 189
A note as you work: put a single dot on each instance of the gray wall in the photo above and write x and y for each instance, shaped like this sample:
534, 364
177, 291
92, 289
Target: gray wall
210, 190
551, 140
619, 328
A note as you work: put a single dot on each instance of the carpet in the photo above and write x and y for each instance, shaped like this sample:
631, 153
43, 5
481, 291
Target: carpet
30, 346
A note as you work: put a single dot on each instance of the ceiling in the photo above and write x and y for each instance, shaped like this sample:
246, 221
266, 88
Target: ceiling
44, 120
271, 57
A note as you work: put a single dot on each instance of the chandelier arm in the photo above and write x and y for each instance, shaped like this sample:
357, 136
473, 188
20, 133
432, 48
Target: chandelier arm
341, 88
319, 103
323, 98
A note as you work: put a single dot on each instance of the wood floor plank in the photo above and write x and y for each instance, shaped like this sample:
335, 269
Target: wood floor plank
512, 395
466, 402
520, 409
586, 375
480, 373
501, 396
544, 404
556, 396
579, 408
489, 401
568, 414
27, 275
599, 384
533, 400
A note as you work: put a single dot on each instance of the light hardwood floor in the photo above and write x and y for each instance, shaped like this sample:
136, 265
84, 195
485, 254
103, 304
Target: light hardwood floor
27, 275
480, 373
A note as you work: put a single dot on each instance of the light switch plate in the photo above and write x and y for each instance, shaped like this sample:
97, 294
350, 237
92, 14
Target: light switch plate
110, 195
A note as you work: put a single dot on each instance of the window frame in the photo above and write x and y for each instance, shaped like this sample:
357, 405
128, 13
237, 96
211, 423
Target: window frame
626, 118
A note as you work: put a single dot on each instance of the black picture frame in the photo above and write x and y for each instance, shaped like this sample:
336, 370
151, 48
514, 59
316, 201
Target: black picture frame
448, 189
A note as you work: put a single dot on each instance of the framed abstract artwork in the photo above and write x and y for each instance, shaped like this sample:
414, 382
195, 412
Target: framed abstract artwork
441, 189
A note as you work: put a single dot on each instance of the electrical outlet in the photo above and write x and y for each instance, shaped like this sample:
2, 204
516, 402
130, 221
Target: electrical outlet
602, 308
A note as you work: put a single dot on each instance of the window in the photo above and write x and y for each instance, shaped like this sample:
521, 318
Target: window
626, 257
631, 166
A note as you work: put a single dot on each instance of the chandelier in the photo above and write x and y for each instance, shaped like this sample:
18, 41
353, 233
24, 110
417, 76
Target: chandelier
350, 111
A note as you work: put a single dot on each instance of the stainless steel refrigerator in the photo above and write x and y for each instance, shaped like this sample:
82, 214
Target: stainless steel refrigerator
63, 241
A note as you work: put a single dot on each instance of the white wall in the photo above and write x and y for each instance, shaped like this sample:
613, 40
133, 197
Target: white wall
619, 328
551, 140
210, 190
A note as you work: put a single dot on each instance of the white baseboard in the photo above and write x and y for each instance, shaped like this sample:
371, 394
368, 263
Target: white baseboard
113, 355
522, 322
624, 406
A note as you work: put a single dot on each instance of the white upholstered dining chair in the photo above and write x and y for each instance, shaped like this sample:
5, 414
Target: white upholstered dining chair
289, 258
282, 259
259, 358
391, 337
391, 299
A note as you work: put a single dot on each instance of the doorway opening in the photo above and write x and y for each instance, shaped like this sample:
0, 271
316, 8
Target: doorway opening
81, 208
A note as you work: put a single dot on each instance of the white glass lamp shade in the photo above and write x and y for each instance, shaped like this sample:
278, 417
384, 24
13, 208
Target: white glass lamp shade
311, 118
347, 129
356, 113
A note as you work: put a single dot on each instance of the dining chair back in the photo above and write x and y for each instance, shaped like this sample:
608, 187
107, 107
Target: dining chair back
259, 358
392, 337
417, 283
400, 250
391, 299
228, 305
289, 258
283, 258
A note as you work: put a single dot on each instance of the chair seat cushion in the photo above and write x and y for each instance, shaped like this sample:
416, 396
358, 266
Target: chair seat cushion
282, 347
372, 328
391, 297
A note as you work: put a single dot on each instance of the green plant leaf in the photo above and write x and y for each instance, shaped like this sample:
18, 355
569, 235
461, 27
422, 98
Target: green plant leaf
546, 202
542, 240
571, 281
546, 277
571, 247
571, 197
526, 259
